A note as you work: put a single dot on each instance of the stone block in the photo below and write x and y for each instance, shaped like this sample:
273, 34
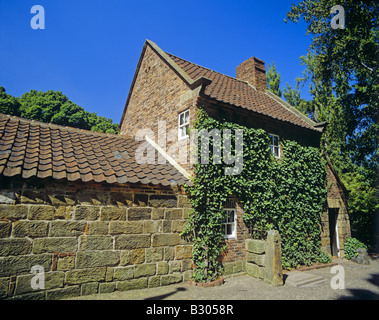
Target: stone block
87, 213
174, 266
124, 257
154, 254
173, 214
66, 228
15, 246
145, 270
137, 214
157, 213
63, 293
273, 259
152, 226
15, 265
132, 284
178, 225
169, 253
89, 259
258, 259
37, 212
98, 227
4, 287
255, 246
64, 212
50, 245
165, 239
123, 273
132, 241
154, 282
171, 279
162, 267
95, 243
5, 229
53, 280
89, 288
125, 227
137, 256
31, 229
12, 212
183, 252
184, 202
169, 201
112, 213
85, 275
107, 287
66, 263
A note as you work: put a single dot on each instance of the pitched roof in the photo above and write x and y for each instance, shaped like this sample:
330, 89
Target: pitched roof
36, 149
229, 90
239, 93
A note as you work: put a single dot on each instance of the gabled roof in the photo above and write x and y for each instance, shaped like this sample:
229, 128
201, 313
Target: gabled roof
229, 90
36, 149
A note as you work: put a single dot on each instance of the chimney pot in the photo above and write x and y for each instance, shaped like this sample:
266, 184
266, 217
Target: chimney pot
253, 71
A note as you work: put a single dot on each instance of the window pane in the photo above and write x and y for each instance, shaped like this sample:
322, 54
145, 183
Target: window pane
181, 119
229, 229
186, 116
276, 141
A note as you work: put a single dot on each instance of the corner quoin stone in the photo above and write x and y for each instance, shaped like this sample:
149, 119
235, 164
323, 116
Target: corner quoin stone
273, 259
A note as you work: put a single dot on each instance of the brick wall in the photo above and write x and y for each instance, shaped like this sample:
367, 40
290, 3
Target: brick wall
90, 238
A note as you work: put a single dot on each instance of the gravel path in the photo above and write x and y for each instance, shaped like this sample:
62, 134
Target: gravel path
361, 282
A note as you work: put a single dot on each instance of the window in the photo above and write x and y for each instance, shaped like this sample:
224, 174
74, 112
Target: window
274, 145
229, 224
183, 124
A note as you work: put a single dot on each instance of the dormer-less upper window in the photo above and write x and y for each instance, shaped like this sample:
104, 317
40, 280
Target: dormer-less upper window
183, 126
274, 145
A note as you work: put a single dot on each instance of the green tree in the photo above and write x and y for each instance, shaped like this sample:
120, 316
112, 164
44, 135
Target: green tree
9, 104
273, 80
54, 107
342, 71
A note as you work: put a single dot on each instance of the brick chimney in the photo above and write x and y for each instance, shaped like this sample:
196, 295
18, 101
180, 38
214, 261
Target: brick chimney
253, 71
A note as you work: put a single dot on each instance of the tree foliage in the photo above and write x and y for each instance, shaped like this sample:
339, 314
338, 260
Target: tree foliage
343, 78
54, 107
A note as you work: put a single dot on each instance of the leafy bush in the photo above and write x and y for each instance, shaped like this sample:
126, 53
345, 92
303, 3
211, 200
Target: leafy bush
351, 246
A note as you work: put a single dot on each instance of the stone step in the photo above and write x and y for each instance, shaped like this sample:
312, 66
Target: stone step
302, 279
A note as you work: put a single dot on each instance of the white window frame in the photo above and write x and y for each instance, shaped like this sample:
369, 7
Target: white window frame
272, 146
233, 235
183, 125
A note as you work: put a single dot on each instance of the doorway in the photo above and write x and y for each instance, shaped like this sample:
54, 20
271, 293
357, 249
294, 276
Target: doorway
333, 232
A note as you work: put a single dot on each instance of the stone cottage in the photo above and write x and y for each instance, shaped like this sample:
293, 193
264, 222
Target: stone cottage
99, 212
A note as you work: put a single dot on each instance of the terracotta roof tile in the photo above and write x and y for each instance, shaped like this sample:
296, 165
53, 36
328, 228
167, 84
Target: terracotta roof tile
36, 149
239, 93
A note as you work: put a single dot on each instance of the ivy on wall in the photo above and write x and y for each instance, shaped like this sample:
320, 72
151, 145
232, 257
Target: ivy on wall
287, 195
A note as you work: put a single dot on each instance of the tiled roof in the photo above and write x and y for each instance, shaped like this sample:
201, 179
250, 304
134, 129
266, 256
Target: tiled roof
35, 149
239, 93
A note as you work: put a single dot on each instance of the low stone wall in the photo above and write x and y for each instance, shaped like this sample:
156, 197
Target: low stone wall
89, 240
264, 259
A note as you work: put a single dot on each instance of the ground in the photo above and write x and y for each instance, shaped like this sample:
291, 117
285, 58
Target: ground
361, 282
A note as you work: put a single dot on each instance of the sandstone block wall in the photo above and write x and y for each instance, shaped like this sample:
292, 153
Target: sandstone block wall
90, 238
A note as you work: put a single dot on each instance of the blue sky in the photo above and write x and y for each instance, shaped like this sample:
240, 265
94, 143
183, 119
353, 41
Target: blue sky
89, 49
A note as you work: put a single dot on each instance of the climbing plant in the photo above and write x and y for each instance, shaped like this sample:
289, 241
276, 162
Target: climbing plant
287, 194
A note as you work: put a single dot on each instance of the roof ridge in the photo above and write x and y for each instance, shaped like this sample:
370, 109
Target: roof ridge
54, 125
196, 64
